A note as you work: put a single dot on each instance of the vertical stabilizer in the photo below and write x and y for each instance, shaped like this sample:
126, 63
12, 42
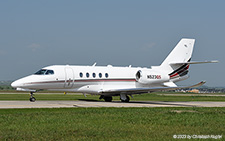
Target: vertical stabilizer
181, 53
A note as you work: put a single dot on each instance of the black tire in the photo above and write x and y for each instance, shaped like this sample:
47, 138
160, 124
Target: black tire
108, 98
127, 99
32, 99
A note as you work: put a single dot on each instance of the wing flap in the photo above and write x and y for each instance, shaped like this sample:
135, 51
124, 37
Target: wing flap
147, 90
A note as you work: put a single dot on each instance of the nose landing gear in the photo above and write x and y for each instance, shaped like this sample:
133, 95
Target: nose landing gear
32, 98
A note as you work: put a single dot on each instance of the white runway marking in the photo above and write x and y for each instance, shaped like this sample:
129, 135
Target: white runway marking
66, 104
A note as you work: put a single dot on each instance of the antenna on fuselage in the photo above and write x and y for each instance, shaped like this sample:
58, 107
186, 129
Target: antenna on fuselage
94, 64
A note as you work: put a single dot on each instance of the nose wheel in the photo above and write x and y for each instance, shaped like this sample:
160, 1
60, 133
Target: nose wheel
32, 98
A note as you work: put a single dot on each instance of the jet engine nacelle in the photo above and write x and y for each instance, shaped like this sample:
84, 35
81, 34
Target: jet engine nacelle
151, 77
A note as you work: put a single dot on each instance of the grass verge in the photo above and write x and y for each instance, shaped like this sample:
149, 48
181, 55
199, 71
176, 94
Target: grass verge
109, 123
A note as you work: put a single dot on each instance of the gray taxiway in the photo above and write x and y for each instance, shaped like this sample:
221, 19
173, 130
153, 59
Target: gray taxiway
67, 104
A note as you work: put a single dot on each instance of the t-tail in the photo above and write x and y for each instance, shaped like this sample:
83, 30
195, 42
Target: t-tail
177, 63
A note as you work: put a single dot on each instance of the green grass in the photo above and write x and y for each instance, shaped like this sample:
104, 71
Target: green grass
109, 123
156, 97
6, 88
142, 97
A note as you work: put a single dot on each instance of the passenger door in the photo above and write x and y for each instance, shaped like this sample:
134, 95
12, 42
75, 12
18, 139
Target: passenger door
69, 77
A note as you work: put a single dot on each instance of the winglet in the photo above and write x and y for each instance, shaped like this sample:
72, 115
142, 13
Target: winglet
198, 85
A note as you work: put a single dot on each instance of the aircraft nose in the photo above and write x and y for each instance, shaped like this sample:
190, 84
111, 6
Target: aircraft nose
16, 84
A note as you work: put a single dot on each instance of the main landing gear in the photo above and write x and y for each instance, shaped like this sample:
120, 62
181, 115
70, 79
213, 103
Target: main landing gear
127, 99
123, 98
106, 98
32, 98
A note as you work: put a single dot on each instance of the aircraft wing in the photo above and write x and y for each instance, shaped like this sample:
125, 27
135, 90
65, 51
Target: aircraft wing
146, 90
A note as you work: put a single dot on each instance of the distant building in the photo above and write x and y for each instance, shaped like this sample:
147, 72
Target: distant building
193, 91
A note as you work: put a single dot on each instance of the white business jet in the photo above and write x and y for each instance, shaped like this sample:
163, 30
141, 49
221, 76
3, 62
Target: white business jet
108, 81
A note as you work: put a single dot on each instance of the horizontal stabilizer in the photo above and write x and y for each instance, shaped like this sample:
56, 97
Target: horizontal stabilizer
193, 62
147, 90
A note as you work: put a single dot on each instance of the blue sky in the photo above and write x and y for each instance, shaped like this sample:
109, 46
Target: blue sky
35, 34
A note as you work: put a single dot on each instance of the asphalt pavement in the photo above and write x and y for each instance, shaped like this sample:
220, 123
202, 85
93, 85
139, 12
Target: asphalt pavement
66, 104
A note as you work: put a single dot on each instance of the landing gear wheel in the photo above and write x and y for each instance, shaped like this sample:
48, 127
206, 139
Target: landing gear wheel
108, 98
32, 98
101, 97
126, 100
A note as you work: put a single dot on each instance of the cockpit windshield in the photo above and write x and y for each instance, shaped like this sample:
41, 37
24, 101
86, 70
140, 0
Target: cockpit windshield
44, 72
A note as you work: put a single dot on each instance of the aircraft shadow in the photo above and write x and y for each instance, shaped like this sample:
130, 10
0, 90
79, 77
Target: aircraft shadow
91, 100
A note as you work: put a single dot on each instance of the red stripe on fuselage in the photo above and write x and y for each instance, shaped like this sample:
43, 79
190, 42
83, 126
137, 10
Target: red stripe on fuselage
99, 80
85, 80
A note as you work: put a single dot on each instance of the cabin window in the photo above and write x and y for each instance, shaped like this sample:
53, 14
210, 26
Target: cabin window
94, 75
81, 74
87, 74
100, 75
106, 75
